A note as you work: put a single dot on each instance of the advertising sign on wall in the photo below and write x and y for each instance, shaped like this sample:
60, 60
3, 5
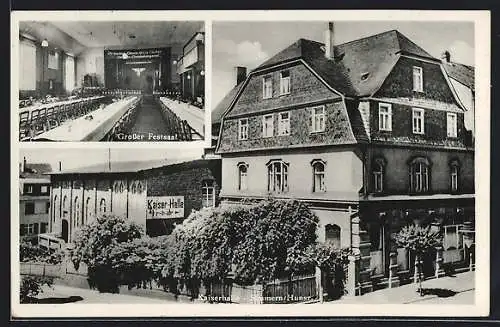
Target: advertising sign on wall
164, 207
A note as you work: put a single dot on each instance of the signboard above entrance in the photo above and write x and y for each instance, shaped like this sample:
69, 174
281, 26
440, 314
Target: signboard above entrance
164, 207
134, 53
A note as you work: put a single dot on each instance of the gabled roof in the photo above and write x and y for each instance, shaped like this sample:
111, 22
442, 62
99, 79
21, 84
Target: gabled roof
460, 72
221, 107
35, 170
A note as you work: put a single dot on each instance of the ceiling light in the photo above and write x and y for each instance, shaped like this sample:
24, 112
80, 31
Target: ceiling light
45, 43
189, 77
202, 73
125, 55
175, 62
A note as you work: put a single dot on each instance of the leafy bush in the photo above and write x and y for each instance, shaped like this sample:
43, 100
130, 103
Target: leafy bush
98, 245
31, 286
33, 253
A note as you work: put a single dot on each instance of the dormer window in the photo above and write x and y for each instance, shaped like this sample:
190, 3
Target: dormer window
267, 87
285, 82
418, 79
365, 76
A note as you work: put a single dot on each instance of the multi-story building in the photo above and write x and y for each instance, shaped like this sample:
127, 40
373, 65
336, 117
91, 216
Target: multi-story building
191, 68
34, 198
370, 134
155, 194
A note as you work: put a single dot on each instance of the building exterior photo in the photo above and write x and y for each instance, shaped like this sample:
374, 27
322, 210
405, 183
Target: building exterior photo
34, 198
370, 134
155, 194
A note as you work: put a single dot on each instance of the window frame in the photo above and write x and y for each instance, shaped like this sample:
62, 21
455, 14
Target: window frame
454, 126
378, 175
420, 86
387, 114
420, 181
102, 204
242, 176
282, 79
207, 185
266, 79
29, 189
313, 119
322, 187
272, 174
282, 122
240, 129
421, 118
264, 135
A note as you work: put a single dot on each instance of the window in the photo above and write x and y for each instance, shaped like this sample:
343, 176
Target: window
76, 207
28, 189
53, 60
277, 176
318, 119
284, 123
29, 208
243, 129
44, 189
47, 207
27, 66
384, 117
285, 82
419, 175
332, 235
267, 126
242, 175
27, 229
318, 176
208, 194
102, 206
378, 175
451, 124
418, 120
454, 170
69, 73
418, 79
267, 87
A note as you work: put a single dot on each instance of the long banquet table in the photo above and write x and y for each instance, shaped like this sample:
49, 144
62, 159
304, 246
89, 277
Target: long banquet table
194, 116
86, 129
58, 103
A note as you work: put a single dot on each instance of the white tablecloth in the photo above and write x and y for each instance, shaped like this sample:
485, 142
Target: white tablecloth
82, 129
194, 116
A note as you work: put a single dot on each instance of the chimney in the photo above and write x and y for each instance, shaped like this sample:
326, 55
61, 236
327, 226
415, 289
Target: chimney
60, 166
330, 42
446, 56
241, 74
23, 165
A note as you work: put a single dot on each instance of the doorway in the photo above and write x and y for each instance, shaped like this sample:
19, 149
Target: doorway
65, 230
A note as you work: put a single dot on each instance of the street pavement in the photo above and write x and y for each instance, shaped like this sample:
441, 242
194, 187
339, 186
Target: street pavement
457, 289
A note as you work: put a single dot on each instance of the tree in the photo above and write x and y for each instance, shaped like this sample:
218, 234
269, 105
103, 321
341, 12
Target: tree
419, 240
31, 286
99, 244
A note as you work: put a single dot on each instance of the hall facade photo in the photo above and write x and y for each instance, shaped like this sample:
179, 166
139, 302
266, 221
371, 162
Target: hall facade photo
111, 80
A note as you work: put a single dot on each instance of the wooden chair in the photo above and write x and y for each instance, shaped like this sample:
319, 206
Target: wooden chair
38, 119
51, 118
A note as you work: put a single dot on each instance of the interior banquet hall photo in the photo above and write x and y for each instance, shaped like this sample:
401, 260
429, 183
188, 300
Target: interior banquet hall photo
111, 81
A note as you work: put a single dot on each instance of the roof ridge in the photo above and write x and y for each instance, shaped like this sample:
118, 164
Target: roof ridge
352, 41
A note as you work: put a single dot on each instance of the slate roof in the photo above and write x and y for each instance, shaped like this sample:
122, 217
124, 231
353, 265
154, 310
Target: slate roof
460, 72
36, 170
224, 104
127, 166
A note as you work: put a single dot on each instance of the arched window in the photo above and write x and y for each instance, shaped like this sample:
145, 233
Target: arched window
332, 235
76, 216
454, 171
208, 194
319, 184
102, 206
277, 171
419, 175
65, 206
133, 187
378, 175
55, 207
140, 187
87, 210
242, 175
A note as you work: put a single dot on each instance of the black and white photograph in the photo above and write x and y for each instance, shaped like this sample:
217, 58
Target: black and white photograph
128, 81
338, 177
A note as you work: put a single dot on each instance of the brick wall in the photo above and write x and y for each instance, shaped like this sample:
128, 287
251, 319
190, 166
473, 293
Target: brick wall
337, 130
305, 88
